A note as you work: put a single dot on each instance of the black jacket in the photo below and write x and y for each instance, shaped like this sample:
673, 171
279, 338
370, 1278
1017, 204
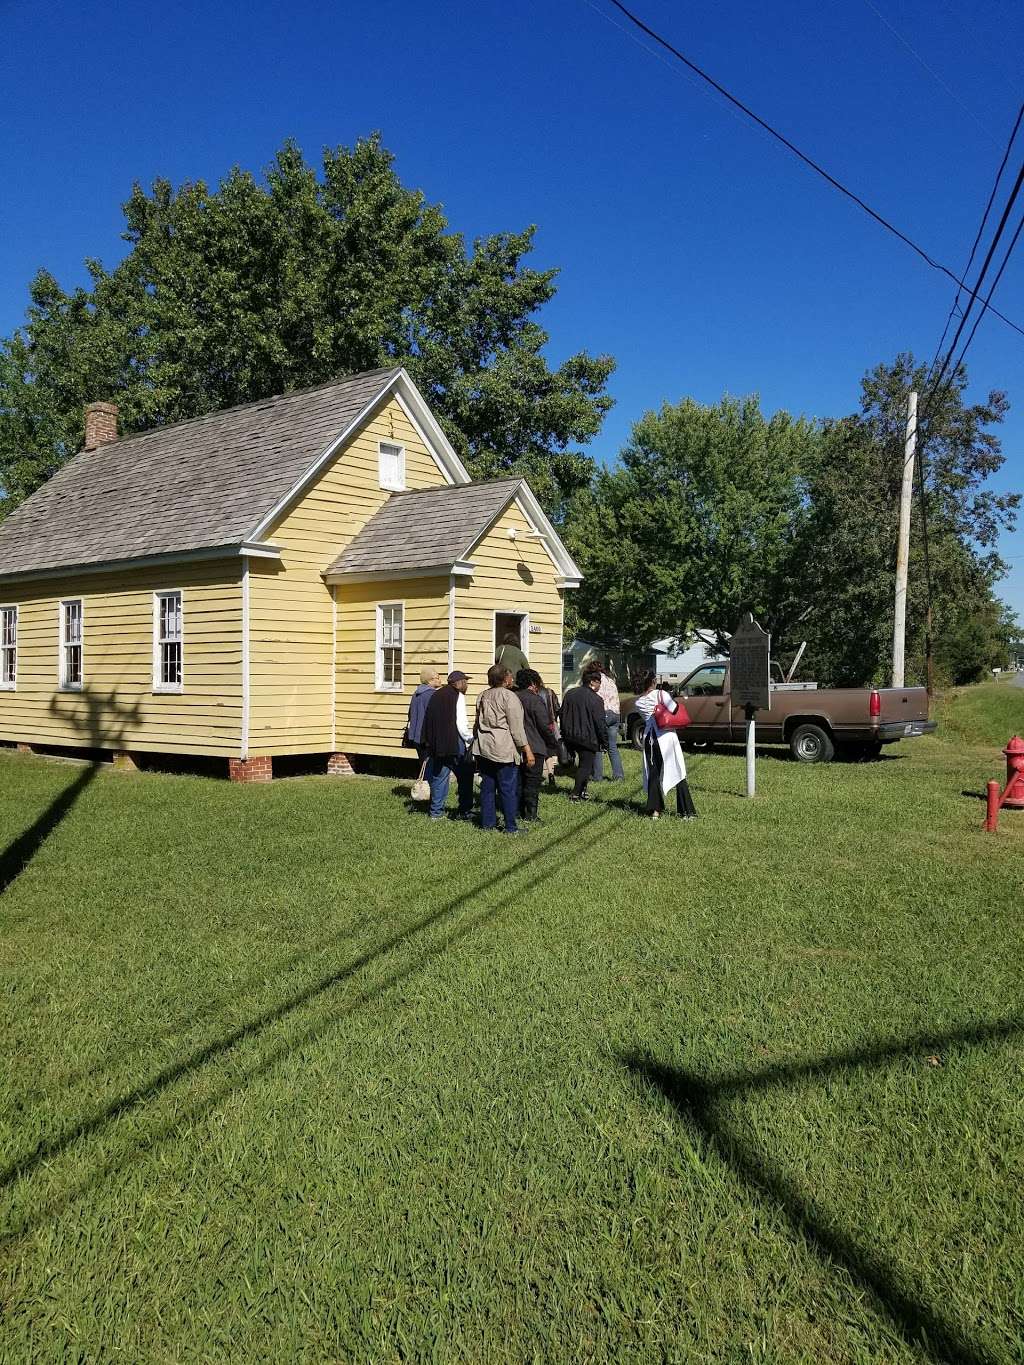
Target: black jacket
582, 720
538, 724
440, 733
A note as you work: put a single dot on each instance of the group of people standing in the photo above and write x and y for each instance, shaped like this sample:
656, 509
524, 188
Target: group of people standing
512, 743
520, 733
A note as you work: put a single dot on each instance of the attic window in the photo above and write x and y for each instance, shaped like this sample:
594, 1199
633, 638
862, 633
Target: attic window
391, 465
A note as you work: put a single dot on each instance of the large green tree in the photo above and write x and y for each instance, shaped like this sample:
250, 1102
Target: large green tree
853, 485
700, 519
263, 285
712, 510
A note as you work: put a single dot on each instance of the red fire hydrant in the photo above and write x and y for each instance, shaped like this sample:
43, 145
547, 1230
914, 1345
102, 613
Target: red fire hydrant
1012, 794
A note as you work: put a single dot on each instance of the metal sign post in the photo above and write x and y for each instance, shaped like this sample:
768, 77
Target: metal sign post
750, 681
751, 740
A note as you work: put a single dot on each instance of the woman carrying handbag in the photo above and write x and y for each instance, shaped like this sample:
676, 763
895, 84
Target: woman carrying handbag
664, 765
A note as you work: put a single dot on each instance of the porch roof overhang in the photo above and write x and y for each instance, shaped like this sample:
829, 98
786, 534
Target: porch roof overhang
460, 568
245, 550
434, 531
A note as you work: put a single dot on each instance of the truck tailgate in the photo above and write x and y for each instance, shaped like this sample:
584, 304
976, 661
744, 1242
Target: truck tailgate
902, 705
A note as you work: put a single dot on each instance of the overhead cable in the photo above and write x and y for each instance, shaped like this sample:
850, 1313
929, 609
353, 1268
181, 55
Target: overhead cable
975, 294
981, 228
802, 156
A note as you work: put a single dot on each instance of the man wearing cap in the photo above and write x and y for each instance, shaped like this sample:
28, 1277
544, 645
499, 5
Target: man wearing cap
446, 738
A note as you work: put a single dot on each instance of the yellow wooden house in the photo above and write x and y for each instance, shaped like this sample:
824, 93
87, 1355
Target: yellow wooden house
266, 581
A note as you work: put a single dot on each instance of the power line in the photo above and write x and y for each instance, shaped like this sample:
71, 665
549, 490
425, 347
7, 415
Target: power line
1007, 210
934, 388
981, 229
802, 156
992, 290
921, 62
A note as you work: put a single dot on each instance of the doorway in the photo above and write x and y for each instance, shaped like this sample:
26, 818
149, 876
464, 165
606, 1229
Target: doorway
510, 623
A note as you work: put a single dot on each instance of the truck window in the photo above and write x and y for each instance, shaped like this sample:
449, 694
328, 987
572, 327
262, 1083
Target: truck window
706, 682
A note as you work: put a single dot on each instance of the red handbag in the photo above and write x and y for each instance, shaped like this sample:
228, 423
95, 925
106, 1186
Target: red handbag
665, 719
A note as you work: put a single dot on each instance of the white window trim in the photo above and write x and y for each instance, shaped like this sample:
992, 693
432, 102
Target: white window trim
399, 486
62, 686
12, 685
378, 663
167, 689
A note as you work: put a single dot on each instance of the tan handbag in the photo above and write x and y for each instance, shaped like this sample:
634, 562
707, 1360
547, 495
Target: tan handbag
421, 787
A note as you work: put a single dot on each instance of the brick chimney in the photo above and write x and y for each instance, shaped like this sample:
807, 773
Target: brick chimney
100, 425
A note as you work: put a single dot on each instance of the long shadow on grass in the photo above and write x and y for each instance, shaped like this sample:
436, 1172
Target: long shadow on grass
208, 1010
18, 854
91, 712
148, 1090
696, 1102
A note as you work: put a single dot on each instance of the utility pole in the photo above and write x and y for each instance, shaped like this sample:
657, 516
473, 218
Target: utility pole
899, 629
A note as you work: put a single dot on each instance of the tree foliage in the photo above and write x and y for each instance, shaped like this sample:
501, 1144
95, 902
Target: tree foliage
696, 523
232, 294
853, 487
713, 510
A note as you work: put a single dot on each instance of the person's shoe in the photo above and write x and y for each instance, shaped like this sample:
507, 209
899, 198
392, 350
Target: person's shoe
461, 815
514, 833
442, 816
655, 815
688, 817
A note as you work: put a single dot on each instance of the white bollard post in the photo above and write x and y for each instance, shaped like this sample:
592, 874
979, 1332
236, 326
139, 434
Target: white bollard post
751, 783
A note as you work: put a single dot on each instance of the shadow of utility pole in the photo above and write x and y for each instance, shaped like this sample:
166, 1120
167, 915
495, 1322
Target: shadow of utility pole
17, 855
697, 1104
88, 712
512, 885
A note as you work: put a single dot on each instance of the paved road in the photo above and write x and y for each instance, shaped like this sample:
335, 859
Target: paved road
1018, 678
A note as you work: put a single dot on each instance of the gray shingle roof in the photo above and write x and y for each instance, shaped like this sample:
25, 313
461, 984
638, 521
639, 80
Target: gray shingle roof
198, 484
425, 529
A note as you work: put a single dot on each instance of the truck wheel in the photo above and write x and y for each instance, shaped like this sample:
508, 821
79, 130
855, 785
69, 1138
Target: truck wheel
811, 744
636, 733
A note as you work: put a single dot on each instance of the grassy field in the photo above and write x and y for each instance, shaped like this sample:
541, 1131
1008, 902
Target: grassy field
988, 714
294, 1074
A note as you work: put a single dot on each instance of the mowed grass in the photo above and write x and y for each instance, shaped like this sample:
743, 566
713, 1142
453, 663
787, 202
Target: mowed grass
990, 713
294, 1074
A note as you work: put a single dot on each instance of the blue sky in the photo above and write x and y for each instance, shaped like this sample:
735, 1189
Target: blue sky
692, 247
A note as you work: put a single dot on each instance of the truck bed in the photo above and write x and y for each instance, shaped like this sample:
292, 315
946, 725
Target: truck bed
814, 721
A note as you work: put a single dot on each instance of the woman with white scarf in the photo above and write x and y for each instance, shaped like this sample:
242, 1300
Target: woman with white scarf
664, 766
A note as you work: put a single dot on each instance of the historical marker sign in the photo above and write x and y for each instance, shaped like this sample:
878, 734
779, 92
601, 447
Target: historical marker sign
749, 652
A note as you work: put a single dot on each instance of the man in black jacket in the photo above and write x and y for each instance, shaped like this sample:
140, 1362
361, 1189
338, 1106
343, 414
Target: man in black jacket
542, 741
446, 737
584, 729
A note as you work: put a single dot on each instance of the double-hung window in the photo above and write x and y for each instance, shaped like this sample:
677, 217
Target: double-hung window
8, 647
390, 642
71, 644
168, 642
391, 465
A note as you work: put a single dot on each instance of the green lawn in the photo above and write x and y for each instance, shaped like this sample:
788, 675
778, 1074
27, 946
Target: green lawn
989, 714
293, 1074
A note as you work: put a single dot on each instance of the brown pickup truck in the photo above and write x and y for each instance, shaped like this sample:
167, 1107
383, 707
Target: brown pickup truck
813, 721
